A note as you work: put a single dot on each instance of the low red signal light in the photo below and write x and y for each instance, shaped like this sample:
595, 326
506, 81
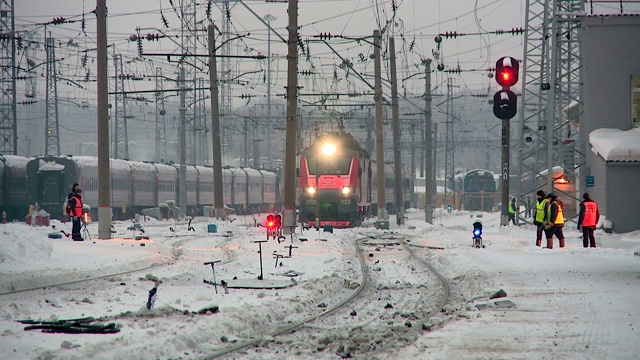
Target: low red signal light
271, 222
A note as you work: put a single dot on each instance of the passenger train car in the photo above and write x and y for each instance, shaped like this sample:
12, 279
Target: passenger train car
139, 185
338, 182
13, 187
479, 190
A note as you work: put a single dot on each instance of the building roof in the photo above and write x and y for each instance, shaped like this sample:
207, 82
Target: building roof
616, 144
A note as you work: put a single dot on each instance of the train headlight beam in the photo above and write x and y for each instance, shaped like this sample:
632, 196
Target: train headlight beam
328, 149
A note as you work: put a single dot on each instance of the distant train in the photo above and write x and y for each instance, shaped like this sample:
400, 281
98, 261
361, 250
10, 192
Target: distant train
338, 182
479, 190
46, 181
13, 186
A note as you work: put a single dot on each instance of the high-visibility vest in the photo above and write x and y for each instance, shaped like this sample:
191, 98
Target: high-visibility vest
590, 211
77, 210
559, 220
540, 206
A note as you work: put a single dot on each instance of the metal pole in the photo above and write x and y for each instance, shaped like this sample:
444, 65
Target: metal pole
289, 218
104, 185
261, 277
434, 187
428, 146
218, 200
397, 136
317, 222
381, 180
504, 218
268, 18
182, 175
245, 152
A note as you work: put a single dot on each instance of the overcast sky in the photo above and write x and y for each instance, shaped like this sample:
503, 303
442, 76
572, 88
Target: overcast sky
415, 25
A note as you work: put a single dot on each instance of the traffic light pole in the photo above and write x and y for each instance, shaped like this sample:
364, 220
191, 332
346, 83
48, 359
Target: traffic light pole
506, 130
505, 104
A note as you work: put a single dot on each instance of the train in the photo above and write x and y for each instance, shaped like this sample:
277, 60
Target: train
45, 181
338, 182
479, 190
13, 186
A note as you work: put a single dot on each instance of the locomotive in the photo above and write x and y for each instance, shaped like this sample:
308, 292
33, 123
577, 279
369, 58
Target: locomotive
479, 190
338, 182
135, 185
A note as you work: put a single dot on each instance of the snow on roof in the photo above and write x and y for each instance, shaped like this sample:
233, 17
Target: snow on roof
16, 160
616, 144
141, 166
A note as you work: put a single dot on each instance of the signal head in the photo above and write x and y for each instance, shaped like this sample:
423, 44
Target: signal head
507, 71
505, 104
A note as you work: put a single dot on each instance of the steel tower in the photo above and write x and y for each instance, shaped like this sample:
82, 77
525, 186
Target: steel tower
161, 133
120, 137
52, 128
551, 76
8, 115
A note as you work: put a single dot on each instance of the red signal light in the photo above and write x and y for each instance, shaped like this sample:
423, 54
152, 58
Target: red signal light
506, 76
507, 69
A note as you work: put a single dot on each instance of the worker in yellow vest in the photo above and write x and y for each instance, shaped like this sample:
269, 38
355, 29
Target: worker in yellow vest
555, 221
512, 210
542, 206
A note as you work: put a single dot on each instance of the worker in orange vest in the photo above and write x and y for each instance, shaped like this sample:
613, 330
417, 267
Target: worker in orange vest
588, 219
74, 209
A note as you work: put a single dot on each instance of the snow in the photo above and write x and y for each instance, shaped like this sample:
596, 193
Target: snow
616, 144
571, 303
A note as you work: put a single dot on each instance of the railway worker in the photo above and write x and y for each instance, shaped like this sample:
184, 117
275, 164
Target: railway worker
512, 210
74, 209
589, 216
527, 207
540, 215
554, 221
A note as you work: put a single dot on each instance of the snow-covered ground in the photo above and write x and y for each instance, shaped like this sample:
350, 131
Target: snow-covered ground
570, 303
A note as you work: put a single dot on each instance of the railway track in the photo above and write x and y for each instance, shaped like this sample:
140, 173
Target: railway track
399, 291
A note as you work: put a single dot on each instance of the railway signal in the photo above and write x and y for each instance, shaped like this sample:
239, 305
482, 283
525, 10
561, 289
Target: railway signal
274, 225
505, 104
505, 101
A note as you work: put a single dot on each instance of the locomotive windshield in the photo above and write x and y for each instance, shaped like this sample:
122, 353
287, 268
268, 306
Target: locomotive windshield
334, 165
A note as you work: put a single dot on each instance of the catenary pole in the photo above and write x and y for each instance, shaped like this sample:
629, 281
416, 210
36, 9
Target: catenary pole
289, 218
383, 217
104, 185
397, 135
218, 201
428, 175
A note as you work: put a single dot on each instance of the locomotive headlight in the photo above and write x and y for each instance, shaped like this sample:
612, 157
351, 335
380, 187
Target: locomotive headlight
346, 190
328, 149
311, 190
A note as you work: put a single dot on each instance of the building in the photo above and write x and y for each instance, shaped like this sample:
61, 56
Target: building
610, 95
